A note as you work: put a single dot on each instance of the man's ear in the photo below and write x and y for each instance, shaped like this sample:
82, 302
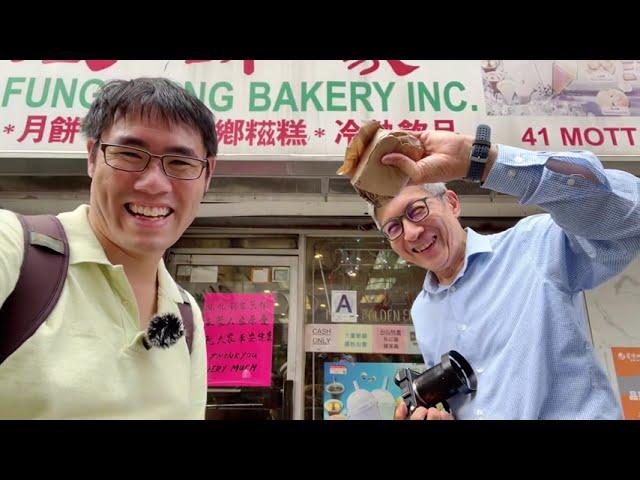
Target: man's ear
91, 158
452, 200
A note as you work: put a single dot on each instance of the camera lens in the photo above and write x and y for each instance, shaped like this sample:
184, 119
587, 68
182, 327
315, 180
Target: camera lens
453, 375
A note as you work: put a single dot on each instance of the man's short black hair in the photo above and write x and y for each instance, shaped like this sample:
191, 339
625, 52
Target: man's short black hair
153, 98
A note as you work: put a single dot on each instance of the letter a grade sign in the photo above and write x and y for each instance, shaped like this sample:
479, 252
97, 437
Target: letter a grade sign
344, 306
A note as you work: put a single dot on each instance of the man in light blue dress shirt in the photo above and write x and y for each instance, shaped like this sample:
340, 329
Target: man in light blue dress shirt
511, 303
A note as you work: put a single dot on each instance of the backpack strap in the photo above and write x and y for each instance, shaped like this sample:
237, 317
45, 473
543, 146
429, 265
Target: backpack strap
42, 276
187, 317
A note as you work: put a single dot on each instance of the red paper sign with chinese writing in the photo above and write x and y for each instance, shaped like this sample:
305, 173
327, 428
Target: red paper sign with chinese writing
239, 332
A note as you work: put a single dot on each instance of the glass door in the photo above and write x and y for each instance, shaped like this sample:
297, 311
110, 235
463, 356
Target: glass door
250, 274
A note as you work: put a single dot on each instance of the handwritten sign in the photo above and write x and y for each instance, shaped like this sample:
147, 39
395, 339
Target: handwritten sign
239, 333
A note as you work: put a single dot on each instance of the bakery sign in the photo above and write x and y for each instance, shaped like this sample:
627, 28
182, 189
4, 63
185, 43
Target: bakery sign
298, 109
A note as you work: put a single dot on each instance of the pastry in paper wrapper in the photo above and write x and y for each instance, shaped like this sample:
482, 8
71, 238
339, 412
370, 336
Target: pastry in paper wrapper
375, 182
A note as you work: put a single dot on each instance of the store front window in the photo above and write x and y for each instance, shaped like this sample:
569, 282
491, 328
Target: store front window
358, 327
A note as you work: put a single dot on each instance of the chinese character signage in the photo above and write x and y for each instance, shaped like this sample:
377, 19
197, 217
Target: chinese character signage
239, 333
355, 338
313, 108
626, 361
361, 338
390, 339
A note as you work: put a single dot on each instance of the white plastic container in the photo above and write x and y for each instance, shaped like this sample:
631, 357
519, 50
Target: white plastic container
362, 405
386, 402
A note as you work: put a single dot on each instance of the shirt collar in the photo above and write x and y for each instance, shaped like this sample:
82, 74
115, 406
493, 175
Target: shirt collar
84, 246
476, 243
83, 243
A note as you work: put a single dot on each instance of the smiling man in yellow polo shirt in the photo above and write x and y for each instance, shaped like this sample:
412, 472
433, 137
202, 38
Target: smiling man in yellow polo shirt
152, 148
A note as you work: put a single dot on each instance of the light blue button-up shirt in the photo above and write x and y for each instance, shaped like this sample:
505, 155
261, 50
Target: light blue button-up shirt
516, 310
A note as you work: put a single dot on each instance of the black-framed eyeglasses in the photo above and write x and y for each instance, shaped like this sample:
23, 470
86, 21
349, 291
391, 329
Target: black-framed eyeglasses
132, 159
416, 211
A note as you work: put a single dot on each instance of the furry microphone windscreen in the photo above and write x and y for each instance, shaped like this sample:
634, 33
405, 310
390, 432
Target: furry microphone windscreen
164, 330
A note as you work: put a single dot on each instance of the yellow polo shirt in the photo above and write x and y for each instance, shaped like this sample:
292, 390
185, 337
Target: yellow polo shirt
87, 361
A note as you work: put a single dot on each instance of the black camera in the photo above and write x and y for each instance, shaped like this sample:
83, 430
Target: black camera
451, 376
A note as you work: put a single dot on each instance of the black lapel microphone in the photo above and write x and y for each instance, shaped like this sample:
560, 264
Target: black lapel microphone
163, 331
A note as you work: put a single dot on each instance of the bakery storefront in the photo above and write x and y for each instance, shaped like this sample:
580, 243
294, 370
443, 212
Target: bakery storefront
307, 307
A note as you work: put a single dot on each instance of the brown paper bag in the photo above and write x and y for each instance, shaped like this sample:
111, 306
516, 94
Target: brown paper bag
375, 182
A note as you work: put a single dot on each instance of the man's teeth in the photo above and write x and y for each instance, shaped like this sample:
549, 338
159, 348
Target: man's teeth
424, 247
149, 211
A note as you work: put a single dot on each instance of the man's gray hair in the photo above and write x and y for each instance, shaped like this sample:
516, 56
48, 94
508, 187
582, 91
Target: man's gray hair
433, 189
